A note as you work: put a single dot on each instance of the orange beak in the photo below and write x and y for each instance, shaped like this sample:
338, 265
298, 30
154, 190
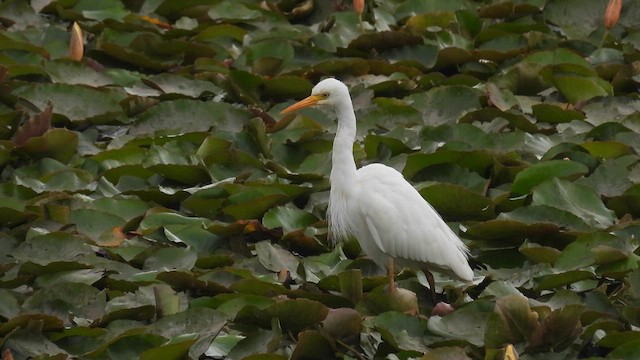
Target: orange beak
306, 102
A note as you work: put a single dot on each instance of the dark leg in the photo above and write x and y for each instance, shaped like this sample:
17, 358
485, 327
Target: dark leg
432, 284
391, 275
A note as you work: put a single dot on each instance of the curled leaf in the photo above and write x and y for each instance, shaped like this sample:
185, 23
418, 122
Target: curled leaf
37, 125
342, 322
112, 238
155, 21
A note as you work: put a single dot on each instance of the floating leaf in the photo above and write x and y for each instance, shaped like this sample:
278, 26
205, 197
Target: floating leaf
583, 252
312, 342
66, 298
287, 218
555, 114
606, 149
296, 315
512, 322
180, 85
171, 259
575, 82
457, 202
190, 115
579, 200
404, 332
99, 105
467, 324
342, 322
58, 144
554, 281
540, 254
52, 247
276, 259
538, 173
35, 126
559, 329
439, 107
627, 351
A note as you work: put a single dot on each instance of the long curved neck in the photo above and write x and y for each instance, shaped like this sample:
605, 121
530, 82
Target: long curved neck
343, 167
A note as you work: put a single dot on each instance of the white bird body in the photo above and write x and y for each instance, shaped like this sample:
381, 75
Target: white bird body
397, 227
392, 222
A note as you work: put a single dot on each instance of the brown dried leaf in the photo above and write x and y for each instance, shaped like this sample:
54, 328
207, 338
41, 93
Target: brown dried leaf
155, 21
263, 115
112, 238
35, 126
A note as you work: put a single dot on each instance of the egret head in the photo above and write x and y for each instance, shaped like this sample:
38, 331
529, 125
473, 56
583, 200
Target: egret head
327, 92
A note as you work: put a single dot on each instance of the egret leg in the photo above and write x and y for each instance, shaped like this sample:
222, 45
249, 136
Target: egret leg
432, 284
391, 275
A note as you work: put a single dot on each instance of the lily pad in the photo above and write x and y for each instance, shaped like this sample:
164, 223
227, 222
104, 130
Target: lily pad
102, 106
538, 173
579, 200
190, 115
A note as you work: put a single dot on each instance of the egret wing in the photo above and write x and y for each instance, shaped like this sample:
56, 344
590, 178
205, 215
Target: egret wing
402, 224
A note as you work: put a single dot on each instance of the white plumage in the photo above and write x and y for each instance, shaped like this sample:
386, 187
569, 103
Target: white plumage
394, 225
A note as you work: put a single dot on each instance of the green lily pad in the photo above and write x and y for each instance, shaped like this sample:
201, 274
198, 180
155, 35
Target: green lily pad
287, 218
627, 351
554, 114
189, 115
99, 106
171, 259
403, 331
171, 84
512, 322
276, 259
66, 298
296, 315
606, 149
561, 279
579, 200
576, 83
438, 106
459, 203
538, 173
312, 342
465, 325
559, 329
540, 254
76, 73
588, 250
53, 247
59, 144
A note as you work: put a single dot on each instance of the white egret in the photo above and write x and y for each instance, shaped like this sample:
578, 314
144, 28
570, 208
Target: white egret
394, 224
